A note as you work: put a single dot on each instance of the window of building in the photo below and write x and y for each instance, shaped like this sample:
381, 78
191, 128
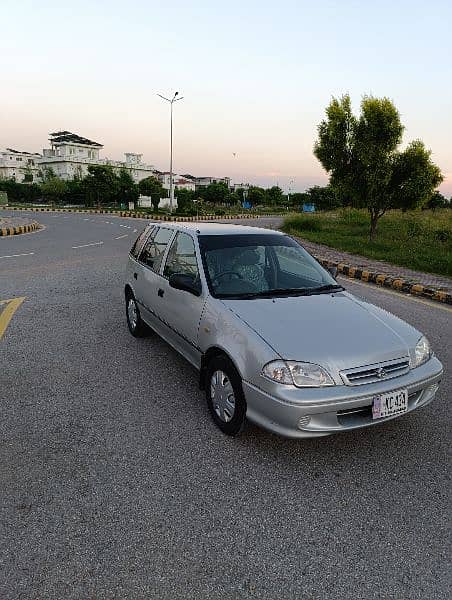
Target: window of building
154, 249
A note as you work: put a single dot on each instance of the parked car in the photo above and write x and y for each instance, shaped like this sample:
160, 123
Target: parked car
276, 339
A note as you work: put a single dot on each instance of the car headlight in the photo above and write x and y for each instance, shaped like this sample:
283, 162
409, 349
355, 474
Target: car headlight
300, 374
422, 352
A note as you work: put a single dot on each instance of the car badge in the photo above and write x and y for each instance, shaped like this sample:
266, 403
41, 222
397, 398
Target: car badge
381, 373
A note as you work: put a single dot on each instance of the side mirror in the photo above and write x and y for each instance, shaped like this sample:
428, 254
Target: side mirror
333, 271
186, 283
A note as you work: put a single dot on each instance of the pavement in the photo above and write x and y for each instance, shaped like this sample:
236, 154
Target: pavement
115, 483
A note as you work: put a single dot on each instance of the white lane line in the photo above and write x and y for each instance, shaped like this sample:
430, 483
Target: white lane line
14, 255
86, 245
135, 230
122, 236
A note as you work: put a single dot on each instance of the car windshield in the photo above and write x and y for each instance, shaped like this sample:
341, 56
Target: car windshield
248, 266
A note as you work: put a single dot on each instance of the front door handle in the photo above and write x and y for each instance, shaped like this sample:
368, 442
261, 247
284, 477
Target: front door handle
160, 292
135, 276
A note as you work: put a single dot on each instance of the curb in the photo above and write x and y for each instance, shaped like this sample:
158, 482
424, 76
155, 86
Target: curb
4, 231
382, 279
142, 215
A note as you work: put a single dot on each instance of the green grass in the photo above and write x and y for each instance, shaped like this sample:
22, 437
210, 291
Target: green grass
419, 240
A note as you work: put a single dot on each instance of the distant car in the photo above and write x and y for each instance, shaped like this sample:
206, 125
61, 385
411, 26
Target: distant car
274, 336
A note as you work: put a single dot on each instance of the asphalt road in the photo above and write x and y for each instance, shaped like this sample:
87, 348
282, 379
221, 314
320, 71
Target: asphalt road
114, 482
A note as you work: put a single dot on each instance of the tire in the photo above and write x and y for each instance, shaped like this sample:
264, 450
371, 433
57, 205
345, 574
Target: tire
136, 325
222, 382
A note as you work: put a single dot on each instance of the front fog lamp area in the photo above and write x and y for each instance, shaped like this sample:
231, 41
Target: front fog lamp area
297, 373
422, 352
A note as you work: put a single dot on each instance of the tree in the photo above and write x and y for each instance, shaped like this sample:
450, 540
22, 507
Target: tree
324, 198
127, 189
275, 195
54, 190
366, 169
100, 185
437, 200
216, 193
256, 195
184, 199
151, 186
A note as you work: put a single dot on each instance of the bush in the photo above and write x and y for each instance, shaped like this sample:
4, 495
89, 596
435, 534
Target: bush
302, 223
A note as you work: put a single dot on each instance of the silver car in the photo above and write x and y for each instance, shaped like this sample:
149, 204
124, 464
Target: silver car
274, 336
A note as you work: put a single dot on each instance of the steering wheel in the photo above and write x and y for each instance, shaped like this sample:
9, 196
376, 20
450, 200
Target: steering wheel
230, 273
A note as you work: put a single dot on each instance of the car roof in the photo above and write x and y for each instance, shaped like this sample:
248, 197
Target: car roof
209, 228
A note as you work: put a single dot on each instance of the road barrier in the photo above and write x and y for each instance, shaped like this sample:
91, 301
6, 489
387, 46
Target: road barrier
4, 231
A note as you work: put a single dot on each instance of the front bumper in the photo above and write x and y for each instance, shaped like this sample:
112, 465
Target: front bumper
313, 412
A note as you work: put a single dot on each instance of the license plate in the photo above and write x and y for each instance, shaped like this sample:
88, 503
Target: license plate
392, 403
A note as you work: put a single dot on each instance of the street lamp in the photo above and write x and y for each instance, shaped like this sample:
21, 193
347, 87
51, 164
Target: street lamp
172, 101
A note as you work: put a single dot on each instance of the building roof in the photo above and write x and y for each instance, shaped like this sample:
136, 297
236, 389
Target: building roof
65, 137
12, 151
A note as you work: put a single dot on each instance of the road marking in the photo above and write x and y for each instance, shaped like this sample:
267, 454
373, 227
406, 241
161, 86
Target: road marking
135, 230
397, 294
7, 313
122, 236
86, 245
14, 255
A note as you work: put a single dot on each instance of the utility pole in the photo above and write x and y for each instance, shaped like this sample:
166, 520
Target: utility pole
171, 102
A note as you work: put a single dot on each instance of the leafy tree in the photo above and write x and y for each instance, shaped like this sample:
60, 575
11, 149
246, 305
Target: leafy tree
437, 200
297, 199
75, 192
20, 192
184, 199
324, 198
216, 193
256, 195
100, 185
275, 195
152, 187
54, 190
127, 189
365, 167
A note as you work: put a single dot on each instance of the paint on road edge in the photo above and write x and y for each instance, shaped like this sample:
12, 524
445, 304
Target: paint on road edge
8, 312
382, 279
4, 231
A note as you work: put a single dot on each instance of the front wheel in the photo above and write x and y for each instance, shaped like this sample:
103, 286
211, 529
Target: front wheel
136, 325
224, 396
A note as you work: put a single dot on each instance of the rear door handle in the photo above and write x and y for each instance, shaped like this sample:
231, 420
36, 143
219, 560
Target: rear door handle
160, 292
135, 276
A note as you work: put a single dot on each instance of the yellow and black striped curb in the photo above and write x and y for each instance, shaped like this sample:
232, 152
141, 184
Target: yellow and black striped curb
396, 283
18, 230
142, 215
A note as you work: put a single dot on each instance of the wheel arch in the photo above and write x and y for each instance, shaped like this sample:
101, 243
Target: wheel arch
213, 352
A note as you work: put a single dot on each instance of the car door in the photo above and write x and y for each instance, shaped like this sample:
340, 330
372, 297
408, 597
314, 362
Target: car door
182, 310
147, 275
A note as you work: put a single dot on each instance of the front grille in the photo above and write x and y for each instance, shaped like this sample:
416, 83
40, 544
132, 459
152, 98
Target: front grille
374, 373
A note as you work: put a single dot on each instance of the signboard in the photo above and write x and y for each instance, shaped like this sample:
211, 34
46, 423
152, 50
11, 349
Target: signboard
309, 208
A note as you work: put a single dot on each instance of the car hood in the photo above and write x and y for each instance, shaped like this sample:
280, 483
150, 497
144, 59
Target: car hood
336, 330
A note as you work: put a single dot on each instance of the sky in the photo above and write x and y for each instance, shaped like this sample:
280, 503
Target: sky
256, 77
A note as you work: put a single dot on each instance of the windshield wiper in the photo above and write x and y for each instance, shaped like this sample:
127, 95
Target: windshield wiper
330, 287
278, 292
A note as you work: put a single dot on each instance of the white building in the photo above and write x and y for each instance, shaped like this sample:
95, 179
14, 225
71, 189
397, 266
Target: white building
70, 155
18, 165
179, 182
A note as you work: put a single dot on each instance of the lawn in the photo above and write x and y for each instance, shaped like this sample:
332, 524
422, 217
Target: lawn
420, 240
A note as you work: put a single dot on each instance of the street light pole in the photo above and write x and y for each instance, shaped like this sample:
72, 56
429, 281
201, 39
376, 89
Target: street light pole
172, 101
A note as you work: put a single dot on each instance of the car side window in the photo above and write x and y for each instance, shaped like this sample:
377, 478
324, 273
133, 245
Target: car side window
182, 257
139, 242
155, 247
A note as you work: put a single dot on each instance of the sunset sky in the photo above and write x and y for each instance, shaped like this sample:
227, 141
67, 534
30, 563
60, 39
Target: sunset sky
256, 77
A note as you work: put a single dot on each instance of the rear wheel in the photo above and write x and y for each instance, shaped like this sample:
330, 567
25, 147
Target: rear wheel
136, 325
224, 396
